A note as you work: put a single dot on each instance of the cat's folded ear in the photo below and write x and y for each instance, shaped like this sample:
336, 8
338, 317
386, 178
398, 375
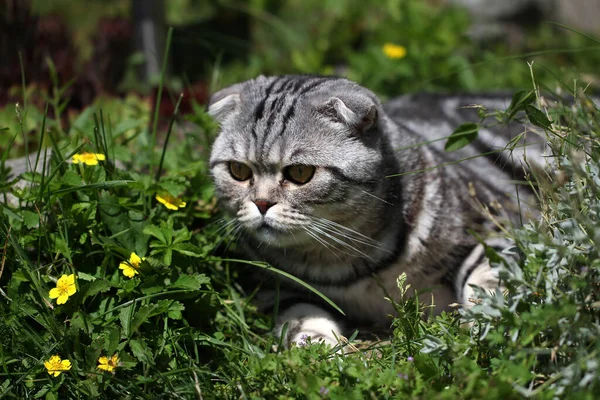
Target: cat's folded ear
359, 114
225, 102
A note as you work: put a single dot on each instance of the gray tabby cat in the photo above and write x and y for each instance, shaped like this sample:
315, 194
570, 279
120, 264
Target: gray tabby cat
305, 167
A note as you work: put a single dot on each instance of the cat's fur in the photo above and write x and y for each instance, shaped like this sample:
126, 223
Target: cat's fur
355, 226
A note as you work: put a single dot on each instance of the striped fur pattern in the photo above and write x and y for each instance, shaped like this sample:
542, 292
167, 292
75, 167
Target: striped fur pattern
351, 229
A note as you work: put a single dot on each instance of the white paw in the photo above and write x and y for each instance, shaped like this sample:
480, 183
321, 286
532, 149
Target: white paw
482, 276
307, 323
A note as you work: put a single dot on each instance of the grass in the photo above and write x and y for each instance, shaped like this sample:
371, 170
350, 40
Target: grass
183, 328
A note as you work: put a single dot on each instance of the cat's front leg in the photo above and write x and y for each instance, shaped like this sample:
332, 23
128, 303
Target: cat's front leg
306, 321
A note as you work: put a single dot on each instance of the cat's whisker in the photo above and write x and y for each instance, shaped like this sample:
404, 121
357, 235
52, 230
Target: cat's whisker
217, 221
233, 238
294, 236
350, 234
341, 242
336, 231
328, 246
226, 223
224, 231
376, 197
337, 225
317, 238
231, 234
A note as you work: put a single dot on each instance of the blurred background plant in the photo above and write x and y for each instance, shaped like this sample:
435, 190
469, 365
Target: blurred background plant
96, 45
113, 48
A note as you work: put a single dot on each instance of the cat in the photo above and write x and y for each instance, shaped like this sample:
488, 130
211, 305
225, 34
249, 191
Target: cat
346, 194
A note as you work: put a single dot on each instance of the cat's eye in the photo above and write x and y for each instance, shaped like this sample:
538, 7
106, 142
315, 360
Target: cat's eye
239, 171
299, 174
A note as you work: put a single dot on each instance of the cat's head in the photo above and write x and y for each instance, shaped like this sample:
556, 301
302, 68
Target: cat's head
297, 157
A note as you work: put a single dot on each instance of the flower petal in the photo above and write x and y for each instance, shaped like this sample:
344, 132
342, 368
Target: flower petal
71, 290
168, 201
65, 365
63, 280
128, 270
71, 279
134, 259
62, 299
54, 293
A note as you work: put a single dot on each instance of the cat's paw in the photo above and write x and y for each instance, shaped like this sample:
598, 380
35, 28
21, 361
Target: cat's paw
483, 277
477, 271
305, 324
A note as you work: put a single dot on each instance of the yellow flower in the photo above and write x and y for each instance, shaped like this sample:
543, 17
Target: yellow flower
55, 365
108, 364
394, 51
65, 287
88, 158
130, 267
172, 203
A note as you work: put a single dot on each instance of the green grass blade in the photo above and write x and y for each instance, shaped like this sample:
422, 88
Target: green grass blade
161, 83
93, 186
289, 276
164, 150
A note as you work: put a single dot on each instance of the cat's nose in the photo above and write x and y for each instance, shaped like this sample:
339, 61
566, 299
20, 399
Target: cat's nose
263, 205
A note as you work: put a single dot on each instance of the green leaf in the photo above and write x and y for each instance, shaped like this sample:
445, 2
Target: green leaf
139, 348
60, 245
125, 317
95, 287
71, 178
168, 257
112, 339
189, 249
462, 136
174, 188
126, 226
85, 276
83, 122
174, 308
141, 316
138, 222
31, 219
127, 125
155, 231
519, 101
81, 321
537, 117
190, 282
152, 284
42, 392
